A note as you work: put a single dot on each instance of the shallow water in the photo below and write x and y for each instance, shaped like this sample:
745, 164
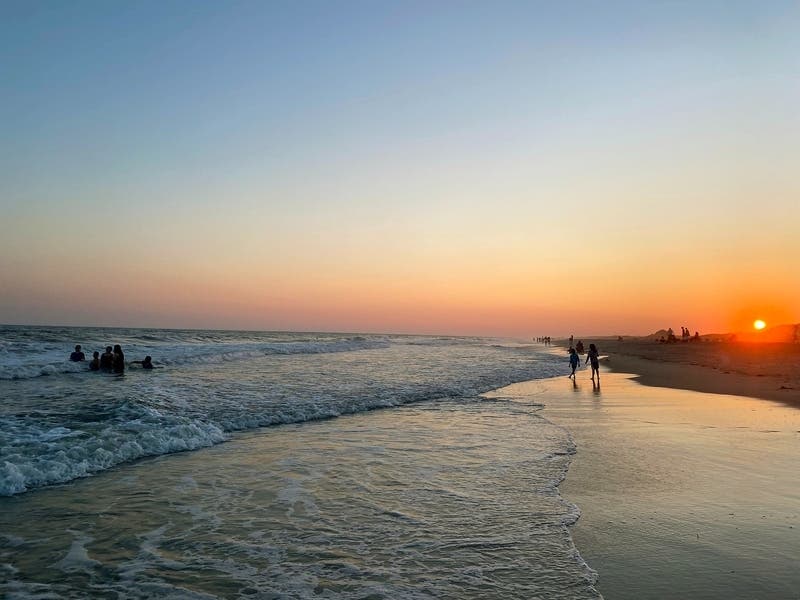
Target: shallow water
683, 494
315, 493
59, 422
447, 499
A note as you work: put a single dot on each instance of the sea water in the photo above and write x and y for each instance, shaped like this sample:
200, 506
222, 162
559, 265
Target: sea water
315, 493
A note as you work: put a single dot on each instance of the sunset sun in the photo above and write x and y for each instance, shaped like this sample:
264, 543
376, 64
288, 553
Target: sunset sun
759, 324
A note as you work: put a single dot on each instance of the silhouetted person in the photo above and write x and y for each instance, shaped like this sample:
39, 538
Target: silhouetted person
94, 365
119, 359
594, 356
147, 363
573, 361
107, 359
77, 356
579, 347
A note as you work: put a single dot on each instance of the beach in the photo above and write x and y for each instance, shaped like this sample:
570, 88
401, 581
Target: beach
761, 370
275, 465
682, 494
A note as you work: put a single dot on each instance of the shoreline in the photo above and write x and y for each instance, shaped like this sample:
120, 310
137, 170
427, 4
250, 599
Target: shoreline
765, 371
652, 476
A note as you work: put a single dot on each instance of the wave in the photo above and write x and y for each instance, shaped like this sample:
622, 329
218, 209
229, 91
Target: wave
37, 454
27, 365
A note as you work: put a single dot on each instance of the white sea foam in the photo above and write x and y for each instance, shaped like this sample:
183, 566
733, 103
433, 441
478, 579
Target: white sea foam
77, 558
448, 499
34, 458
55, 429
29, 360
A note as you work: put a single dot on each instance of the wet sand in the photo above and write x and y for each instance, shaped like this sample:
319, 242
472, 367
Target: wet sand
770, 370
682, 494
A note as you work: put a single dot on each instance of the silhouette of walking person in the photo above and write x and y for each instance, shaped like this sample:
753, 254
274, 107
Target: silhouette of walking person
593, 356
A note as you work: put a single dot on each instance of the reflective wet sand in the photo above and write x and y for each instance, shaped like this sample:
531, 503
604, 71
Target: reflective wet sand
682, 494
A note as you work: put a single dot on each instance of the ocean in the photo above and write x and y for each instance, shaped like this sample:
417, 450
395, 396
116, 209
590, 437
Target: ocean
281, 465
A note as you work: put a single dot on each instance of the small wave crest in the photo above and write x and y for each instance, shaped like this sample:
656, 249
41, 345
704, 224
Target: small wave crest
35, 456
29, 365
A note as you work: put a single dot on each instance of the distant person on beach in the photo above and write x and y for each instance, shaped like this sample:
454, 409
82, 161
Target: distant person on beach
77, 356
119, 359
594, 357
94, 364
573, 362
147, 363
107, 359
579, 346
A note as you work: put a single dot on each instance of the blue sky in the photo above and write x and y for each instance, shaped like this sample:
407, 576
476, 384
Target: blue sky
316, 134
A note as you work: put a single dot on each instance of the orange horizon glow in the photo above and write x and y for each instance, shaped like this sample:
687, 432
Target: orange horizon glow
466, 173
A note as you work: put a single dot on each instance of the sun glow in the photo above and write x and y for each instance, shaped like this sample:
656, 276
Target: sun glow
759, 324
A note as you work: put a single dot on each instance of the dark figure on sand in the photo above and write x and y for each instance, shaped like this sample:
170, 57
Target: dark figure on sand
573, 362
119, 359
593, 356
77, 356
94, 365
579, 347
107, 359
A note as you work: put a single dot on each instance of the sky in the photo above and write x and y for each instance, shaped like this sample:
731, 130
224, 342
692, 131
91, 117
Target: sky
477, 168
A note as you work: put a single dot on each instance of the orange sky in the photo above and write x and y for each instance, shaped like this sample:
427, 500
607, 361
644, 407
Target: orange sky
605, 171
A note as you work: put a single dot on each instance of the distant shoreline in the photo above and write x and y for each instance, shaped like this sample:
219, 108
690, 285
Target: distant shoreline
766, 371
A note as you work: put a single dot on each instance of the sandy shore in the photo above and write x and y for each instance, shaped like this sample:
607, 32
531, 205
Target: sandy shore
768, 371
682, 494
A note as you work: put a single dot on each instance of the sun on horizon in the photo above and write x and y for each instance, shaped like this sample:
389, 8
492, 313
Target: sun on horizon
759, 324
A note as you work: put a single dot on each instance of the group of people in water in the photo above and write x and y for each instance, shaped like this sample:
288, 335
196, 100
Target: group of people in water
111, 361
543, 340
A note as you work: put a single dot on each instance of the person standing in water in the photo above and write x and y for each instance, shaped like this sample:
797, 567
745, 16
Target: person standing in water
119, 359
94, 365
147, 363
107, 359
573, 362
593, 356
77, 356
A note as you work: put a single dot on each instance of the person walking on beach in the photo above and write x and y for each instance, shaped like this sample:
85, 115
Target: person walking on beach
594, 356
573, 362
